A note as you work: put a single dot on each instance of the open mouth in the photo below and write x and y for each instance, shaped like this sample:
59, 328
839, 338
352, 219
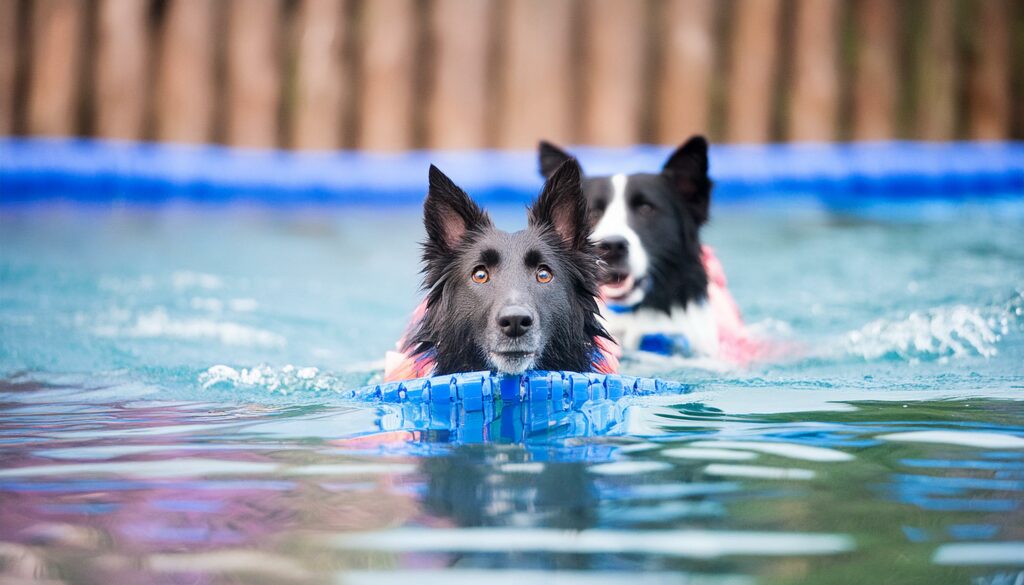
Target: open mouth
617, 286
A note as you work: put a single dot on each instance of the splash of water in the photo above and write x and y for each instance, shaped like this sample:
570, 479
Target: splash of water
939, 333
284, 380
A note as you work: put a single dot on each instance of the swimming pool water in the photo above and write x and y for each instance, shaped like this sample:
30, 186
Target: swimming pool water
171, 411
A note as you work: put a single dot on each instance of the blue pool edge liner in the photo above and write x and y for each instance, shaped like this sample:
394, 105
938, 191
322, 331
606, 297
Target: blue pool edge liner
838, 174
474, 389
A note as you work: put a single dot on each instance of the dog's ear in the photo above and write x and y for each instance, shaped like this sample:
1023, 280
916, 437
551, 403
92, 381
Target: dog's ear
551, 157
687, 170
562, 207
449, 214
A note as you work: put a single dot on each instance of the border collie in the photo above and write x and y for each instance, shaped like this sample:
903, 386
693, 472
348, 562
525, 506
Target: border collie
663, 290
506, 302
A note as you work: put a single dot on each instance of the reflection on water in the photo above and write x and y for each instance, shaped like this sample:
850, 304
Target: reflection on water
665, 489
153, 431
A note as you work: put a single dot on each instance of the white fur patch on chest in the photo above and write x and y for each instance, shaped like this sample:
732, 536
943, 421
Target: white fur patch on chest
696, 322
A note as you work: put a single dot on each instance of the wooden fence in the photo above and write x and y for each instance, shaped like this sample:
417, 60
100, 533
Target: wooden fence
398, 74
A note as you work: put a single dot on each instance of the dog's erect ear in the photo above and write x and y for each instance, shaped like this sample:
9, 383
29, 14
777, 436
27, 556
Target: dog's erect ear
448, 213
551, 157
687, 169
689, 159
561, 205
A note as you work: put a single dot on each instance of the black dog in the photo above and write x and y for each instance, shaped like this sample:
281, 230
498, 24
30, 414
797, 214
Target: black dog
647, 229
507, 301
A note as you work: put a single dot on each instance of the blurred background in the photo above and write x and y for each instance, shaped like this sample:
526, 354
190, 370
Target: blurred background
398, 74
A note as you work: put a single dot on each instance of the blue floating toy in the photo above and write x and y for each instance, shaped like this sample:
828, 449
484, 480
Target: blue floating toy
474, 389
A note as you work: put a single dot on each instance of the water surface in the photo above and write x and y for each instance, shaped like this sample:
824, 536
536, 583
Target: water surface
172, 410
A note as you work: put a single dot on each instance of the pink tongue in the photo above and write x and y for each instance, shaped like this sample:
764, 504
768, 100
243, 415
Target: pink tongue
618, 290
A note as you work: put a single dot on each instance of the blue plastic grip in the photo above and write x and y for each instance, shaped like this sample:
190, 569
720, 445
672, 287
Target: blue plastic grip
474, 389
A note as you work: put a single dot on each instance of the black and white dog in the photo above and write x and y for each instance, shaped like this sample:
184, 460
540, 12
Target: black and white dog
503, 301
646, 227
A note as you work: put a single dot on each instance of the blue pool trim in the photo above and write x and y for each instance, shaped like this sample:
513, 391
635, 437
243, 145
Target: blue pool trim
96, 171
475, 389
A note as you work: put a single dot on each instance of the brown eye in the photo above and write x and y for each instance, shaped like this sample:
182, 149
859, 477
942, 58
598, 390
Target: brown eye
480, 275
642, 206
544, 275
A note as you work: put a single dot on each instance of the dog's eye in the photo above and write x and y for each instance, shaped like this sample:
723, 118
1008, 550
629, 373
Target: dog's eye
544, 275
480, 275
642, 205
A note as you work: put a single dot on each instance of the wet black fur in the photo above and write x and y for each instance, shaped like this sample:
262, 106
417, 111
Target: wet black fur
681, 194
460, 234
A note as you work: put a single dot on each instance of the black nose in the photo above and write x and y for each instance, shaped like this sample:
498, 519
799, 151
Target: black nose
613, 249
515, 321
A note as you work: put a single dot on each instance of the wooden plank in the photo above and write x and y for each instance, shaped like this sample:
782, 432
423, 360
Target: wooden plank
875, 80
937, 71
1018, 70
253, 63
684, 80
320, 75
537, 76
53, 85
122, 51
753, 70
8, 63
1017, 50
184, 87
388, 74
458, 103
614, 41
815, 97
988, 115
